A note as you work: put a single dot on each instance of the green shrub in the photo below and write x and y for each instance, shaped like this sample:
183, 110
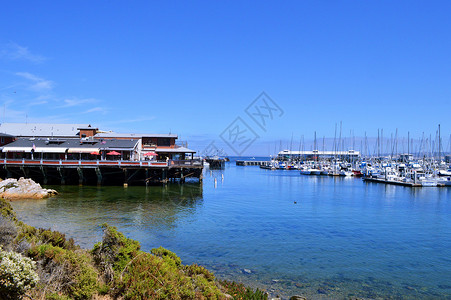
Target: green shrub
195, 269
56, 296
240, 292
45, 236
17, 275
167, 255
151, 277
113, 254
69, 271
7, 210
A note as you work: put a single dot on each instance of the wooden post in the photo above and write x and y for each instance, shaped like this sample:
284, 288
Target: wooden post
125, 177
43, 174
80, 176
99, 176
60, 172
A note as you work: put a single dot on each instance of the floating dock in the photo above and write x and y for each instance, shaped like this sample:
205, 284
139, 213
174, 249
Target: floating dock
252, 163
393, 182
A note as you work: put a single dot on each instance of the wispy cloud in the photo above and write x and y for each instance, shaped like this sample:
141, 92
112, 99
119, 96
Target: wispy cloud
77, 101
38, 84
101, 110
12, 51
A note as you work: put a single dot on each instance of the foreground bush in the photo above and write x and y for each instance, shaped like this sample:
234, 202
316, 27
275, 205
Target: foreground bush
240, 292
66, 271
17, 275
115, 268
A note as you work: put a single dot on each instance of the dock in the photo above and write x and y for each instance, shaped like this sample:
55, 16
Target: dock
216, 163
393, 182
252, 163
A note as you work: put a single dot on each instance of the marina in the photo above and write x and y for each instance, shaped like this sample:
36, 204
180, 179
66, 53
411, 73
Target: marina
296, 235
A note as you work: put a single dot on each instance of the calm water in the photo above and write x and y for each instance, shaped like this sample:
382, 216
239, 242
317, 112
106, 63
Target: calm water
342, 238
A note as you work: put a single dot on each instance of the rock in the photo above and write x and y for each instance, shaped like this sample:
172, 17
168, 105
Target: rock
322, 291
13, 189
296, 297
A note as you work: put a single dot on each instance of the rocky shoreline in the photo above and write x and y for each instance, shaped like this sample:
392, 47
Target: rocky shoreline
15, 189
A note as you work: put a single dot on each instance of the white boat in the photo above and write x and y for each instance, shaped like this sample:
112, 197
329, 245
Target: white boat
446, 181
316, 172
429, 182
345, 173
444, 172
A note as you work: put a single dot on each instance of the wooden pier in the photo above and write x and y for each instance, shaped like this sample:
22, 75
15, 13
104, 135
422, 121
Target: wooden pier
216, 163
101, 172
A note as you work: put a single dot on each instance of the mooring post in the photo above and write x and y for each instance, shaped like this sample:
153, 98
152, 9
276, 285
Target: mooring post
80, 176
60, 172
43, 174
99, 176
125, 178
164, 175
24, 172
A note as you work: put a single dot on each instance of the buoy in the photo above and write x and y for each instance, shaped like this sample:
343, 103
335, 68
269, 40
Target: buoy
216, 182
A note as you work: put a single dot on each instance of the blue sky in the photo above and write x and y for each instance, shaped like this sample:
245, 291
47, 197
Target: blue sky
193, 67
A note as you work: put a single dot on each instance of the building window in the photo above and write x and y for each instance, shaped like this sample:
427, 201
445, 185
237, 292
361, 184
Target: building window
164, 142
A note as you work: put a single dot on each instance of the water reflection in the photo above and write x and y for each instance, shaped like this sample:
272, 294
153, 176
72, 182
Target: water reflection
79, 211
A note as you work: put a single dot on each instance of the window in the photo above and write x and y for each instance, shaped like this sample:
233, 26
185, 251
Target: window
164, 142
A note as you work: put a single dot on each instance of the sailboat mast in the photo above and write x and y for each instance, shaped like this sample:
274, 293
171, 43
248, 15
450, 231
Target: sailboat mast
439, 145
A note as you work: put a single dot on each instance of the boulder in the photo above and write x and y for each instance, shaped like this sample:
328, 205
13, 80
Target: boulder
13, 189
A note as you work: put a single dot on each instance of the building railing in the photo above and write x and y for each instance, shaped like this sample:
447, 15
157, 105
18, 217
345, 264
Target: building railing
119, 163
188, 162
48, 162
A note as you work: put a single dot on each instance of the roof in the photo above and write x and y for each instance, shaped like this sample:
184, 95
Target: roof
317, 152
5, 135
175, 150
41, 129
72, 145
134, 135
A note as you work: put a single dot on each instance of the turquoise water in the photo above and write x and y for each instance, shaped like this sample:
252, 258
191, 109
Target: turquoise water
322, 237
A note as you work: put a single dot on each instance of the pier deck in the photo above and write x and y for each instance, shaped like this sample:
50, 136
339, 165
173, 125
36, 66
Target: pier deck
101, 172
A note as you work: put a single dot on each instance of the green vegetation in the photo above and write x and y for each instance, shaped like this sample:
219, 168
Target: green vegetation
115, 268
239, 291
17, 275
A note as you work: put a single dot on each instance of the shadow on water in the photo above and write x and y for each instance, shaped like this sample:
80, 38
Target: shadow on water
79, 211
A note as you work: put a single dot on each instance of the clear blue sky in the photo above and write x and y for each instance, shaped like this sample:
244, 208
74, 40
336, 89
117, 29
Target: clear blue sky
192, 67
